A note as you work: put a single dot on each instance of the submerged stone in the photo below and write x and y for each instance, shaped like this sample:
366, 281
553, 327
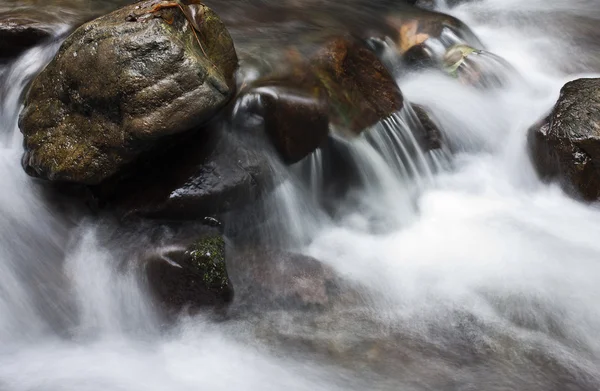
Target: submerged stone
122, 83
267, 279
431, 137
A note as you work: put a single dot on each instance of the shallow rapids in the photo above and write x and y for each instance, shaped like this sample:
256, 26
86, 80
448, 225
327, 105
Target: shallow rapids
473, 274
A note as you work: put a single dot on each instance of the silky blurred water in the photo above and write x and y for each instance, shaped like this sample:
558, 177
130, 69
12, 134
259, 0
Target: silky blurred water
475, 275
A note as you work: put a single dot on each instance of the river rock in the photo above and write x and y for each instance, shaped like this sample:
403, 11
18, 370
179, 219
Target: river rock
341, 83
210, 173
566, 144
191, 277
418, 57
20, 31
361, 90
122, 83
295, 117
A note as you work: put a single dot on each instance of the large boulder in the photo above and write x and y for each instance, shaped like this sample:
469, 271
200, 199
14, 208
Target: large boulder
122, 83
566, 144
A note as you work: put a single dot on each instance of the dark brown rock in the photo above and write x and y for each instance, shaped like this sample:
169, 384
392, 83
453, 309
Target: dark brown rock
566, 144
294, 117
431, 136
418, 57
208, 174
341, 84
361, 90
191, 278
20, 31
121, 83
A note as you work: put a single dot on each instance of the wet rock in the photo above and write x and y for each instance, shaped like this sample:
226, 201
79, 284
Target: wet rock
416, 26
361, 90
566, 144
294, 117
418, 57
267, 279
120, 84
211, 173
340, 84
191, 277
431, 137
20, 31
476, 67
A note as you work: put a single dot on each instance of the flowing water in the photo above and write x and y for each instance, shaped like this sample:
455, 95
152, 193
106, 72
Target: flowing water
474, 274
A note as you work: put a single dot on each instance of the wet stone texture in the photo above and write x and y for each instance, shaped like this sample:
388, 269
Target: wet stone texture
566, 144
20, 31
210, 173
121, 83
191, 278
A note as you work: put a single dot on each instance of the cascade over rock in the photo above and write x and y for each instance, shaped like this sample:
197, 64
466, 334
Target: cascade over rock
342, 84
417, 25
361, 90
122, 83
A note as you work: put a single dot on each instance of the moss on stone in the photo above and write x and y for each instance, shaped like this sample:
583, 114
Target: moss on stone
208, 256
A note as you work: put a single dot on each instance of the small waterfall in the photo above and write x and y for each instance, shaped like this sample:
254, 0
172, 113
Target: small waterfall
17, 75
387, 163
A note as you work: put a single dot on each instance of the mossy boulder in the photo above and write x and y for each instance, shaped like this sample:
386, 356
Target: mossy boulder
123, 83
566, 144
193, 277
